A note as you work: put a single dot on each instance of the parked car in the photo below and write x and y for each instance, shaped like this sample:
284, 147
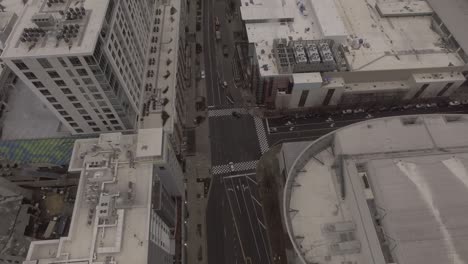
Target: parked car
225, 51
202, 74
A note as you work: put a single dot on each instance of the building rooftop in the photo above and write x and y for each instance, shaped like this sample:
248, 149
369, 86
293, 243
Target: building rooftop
111, 215
160, 95
67, 27
390, 190
398, 39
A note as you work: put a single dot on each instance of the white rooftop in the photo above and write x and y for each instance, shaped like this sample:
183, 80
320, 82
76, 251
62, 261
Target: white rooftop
111, 215
84, 42
417, 172
388, 42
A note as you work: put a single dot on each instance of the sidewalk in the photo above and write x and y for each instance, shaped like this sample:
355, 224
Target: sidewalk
199, 165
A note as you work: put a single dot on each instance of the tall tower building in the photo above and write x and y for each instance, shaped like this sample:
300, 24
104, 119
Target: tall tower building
84, 59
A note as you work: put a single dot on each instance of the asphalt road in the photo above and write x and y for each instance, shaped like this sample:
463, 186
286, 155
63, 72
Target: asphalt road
287, 129
247, 214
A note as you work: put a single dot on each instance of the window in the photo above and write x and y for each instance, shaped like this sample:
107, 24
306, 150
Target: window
77, 105
92, 124
75, 61
93, 89
64, 113
30, 75
82, 112
106, 110
58, 106
64, 64
86, 117
87, 81
102, 103
73, 124
69, 119
45, 92
114, 122
90, 60
76, 82
70, 73
53, 74
78, 130
72, 98
82, 72
118, 128
66, 91
60, 83
110, 116
20, 64
96, 129
97, 96
51, 99
44, 63
38, 84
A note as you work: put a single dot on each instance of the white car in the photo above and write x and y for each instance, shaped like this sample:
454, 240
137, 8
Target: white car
231, 165
202, 74
454, 103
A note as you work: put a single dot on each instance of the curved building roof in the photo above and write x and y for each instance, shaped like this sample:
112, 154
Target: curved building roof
391, 190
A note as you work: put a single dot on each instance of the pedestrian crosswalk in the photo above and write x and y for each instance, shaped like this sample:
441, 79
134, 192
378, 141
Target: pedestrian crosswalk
226, 112
262, 138
236, 167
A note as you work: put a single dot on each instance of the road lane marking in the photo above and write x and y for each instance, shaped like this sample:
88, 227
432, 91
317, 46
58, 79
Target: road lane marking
235, 222
252, 180
239, 175
256, 201
260, 222
250, 222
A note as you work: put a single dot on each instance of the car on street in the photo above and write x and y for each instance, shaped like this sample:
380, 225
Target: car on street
224, 84
454, 103
231, 165
225, 51
236, 114
202, 74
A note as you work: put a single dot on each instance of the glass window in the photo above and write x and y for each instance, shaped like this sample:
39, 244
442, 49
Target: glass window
86, 117
72, 98
44, 63
53, 74
64, 113
87, 81
114, 122
77, 105
82, 112
78, 130
60, 83
90, 60
45, 92
66, 91
51, 99
64, 64
92, 124
74, 124
58, 106
97, 96
118, 128
38, 84
20, 64
76, 82
30, 75
93, 89
82, 72
96, 129
106, 110
69, 119
75, 61
110, 116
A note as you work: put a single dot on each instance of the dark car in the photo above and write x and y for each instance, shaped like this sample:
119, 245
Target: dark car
236, 114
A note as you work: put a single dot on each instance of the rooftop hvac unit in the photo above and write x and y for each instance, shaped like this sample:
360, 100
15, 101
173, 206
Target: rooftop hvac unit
43, 20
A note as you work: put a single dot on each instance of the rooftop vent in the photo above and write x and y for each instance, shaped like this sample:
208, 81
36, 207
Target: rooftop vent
76, 13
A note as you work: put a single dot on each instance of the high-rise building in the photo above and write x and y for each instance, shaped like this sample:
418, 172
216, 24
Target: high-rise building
84, 59
129, 206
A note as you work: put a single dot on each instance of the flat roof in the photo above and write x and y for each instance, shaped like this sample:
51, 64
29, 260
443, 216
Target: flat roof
112, 186
387, 42
414, 195
89, 27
